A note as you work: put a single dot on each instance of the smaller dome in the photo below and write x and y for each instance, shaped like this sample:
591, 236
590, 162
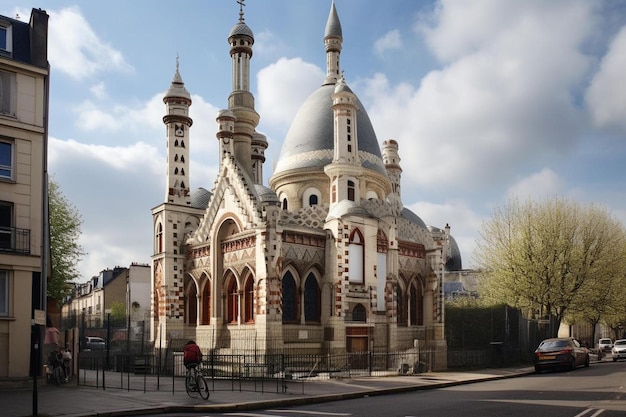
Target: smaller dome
347, 208
265, 194
225, 113
413, 218
200, 198
177, 88
341, 86
241, 29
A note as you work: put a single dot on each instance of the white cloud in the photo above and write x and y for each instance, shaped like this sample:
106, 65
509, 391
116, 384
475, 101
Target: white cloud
502, 102
545, 183
606, 96
297, 80
462, 219
99, 90
390, 40
267, 44
76, 50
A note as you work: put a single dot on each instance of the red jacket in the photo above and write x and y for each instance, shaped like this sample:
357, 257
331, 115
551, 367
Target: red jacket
191, 354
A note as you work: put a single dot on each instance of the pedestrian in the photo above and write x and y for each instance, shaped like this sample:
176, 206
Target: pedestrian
67, 363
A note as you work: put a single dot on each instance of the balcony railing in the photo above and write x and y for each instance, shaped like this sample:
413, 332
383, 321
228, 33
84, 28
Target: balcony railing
15, 240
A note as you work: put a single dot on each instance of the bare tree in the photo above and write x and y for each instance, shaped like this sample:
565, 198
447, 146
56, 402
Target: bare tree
547, 257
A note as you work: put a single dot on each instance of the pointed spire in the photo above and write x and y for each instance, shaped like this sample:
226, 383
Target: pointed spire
177, 88
332, 42
333, 26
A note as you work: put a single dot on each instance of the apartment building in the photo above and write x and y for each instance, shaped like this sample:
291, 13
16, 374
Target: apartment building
24, 75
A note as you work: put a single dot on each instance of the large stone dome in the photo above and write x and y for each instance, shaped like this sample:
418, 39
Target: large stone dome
309, 141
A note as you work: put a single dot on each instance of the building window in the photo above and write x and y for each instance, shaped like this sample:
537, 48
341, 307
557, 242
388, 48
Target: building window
356, 261
6, 226
311, 300
4, 293
206, 303
6, 41
313, 200
6, 160
7, 93
159, 238
401, 312
233, 301
290, 299
248, 309
359, 313
351, 190
284, 203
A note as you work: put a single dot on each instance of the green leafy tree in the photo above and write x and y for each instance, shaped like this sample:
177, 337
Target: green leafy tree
65, 251
118, 313
547, 257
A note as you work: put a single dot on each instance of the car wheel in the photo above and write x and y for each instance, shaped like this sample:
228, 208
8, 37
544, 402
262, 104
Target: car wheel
537, 370
572, 364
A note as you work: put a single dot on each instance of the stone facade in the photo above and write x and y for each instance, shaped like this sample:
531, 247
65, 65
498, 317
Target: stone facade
324, 259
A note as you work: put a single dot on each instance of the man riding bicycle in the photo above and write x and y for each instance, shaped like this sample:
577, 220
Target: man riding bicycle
192, 357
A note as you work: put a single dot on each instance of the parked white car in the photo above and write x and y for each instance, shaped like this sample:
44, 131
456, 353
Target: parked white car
619, 349
605, 345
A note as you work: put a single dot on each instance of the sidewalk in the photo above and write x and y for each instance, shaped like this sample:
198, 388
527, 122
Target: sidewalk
71, 400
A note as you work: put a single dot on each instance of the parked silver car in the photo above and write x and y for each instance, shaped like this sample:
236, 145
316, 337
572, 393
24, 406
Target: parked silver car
619, 349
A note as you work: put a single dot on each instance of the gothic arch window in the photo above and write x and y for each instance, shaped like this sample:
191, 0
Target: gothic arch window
182, 158
192, 305
182, 143
416, 305
311, 300
351, 190
232, 301
176, 171
159, 238
248, 299
401, 307
206, 304
290, 299
182, 171
359, 313
176, 158
356, 260
176, 142
285, 203
312, 200
182, 184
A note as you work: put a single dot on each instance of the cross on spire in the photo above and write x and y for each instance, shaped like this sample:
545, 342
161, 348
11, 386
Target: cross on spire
241, 4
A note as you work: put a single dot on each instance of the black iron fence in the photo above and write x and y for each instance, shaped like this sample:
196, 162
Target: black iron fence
268, 372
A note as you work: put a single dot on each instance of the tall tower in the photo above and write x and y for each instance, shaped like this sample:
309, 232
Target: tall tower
333, 39
177, 123
345, 169
391, 158
170, 219
241, 100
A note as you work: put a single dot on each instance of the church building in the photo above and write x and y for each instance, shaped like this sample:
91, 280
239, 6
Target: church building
322, 259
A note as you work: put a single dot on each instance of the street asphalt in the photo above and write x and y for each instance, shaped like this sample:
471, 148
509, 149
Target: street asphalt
143, 394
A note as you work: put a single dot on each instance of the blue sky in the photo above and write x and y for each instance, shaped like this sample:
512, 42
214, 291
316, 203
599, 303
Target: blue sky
488, 99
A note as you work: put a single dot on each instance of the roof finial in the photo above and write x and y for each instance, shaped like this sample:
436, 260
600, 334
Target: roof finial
241, 4
177, 61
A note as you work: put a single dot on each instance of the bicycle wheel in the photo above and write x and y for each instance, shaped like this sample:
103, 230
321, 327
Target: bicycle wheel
203, 387
190, 385
58, 375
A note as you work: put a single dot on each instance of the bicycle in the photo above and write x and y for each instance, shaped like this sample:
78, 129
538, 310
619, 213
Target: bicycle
196, 384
